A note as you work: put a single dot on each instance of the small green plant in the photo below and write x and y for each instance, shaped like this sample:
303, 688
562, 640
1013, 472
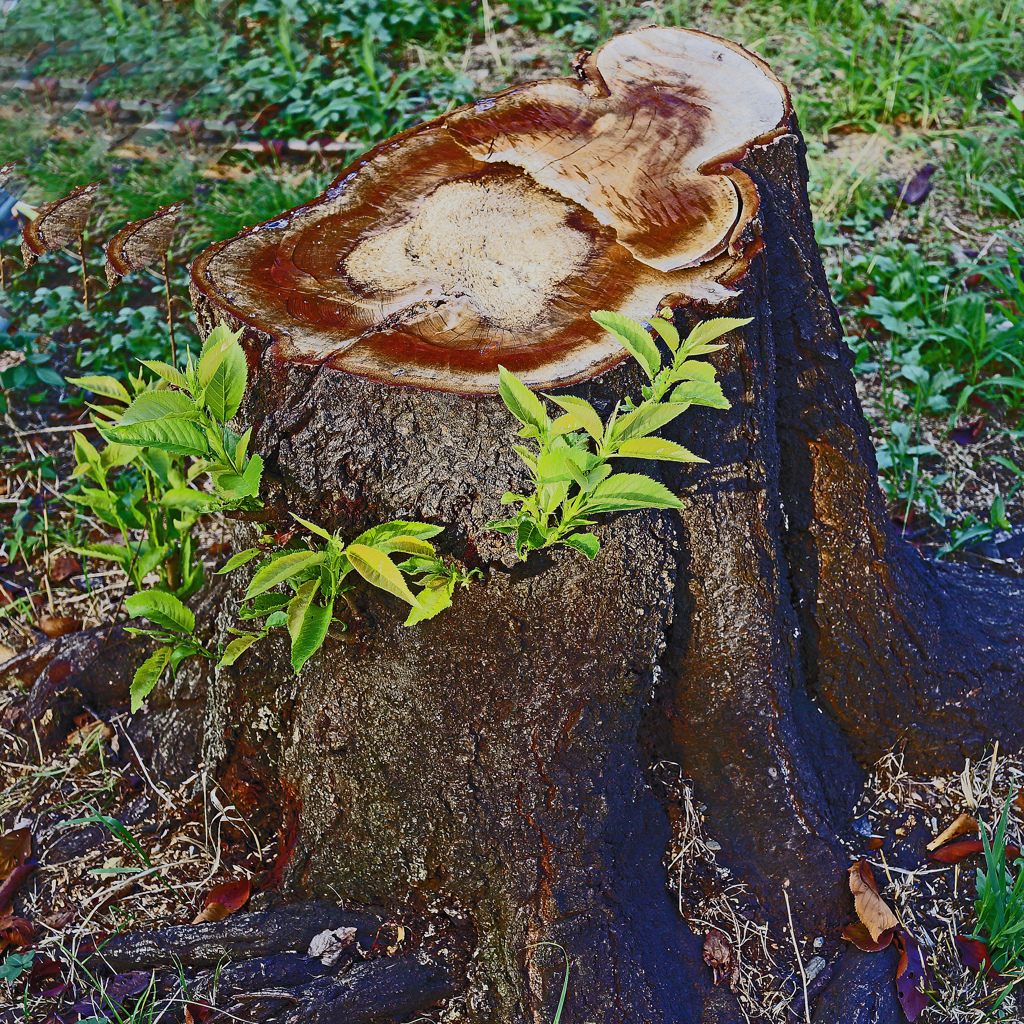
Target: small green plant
15, 965
571, 466
316, 578
999, 904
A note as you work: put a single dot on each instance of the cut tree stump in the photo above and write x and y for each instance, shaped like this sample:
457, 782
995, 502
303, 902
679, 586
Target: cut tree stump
503, 767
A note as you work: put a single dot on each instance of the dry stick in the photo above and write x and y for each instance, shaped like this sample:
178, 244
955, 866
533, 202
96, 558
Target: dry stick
85, 274
799, 958
170, 316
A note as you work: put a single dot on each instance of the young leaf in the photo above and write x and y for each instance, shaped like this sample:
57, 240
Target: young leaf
158, 405
711, 330
433, 599
693, 369
311, 633
408, 546
180, 653
312, 527
219, 341
625, 491
633, 338
281, 569
147, 674
667, 331
171, 434
583, 412
237, 560
237, 648
108, 552
522, 402
657, 448
375, 567
645, 420
242, 447
377, 535
108, 387
166, 371
163, 609
224, 392
699, 392
585, 542
265, 604
299, 604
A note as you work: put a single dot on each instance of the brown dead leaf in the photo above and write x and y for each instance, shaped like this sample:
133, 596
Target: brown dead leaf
91, 730
955, 852
1018, 803
858, 934
14, 931
964, 823
64, 566
58, 625
874, 912
718, 955
224, 899
15, 849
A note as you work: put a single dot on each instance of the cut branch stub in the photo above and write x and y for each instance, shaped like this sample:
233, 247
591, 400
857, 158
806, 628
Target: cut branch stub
141, 243
488, 235
58, 224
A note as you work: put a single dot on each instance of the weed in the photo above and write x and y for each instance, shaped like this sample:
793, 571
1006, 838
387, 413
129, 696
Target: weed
999, 906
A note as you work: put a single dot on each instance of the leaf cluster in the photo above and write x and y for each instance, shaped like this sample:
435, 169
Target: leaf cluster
315, 576
571, 461
999, 905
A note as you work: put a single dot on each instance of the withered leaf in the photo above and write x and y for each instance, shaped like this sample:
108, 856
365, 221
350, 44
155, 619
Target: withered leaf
14, 931
963, 823
955, 852
718, 955
58, 625
64, 566
58, 224
224, 899
1018, 803
911, 975
141, 243
974, 954
15, 880
858, 934
15, 848
873, 911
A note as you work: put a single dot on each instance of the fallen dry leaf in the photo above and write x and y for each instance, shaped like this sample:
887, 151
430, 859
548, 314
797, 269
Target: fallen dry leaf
15, 848
14, 931
964, 823
58, 625
15, 880
858, 934
63, 567
718, 955
912, 981
955, 852
328, 945
1018, 802
974, 954
224, 899
874, 912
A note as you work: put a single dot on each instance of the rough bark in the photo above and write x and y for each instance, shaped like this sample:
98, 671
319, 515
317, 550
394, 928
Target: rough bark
497, 768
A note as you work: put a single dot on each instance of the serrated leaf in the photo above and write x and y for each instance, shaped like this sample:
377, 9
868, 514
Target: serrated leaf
586, 543
633, 337
699, 392
583, 413
711, 330
162, 608
645, 420
115, 454
108, 387
408, 546
693, 369
218, 342
375, 567
312, 527
311, 633
377, 535
433, 599
226, 389
624, 491
170, 434
159, 405
237, 648
657, 448
108, 552
185, 498
167, 372
147, 675
264, 604
281, 569
522, 402
667, 331
238, 560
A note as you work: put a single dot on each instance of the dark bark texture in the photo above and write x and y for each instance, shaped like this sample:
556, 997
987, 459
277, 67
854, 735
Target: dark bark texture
493, 770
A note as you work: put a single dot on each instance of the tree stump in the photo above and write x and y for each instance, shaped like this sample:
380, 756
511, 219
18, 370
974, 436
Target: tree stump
500, 771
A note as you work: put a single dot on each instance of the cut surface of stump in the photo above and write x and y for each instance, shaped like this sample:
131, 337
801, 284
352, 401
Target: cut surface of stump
487, 236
